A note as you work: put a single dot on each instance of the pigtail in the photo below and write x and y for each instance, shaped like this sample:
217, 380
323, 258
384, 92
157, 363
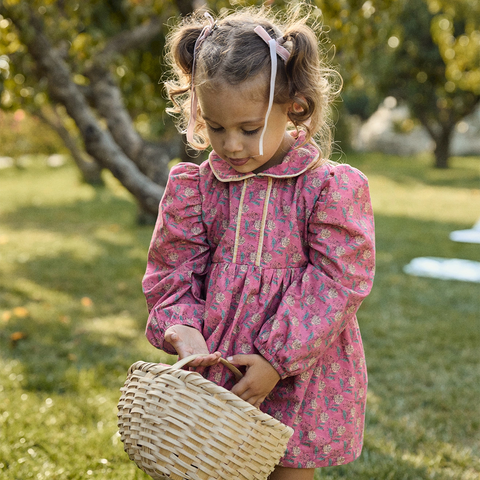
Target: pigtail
310, 85
184, 47
302, 65
180, 46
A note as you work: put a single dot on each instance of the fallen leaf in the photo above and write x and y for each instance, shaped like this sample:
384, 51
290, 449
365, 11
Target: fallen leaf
15, 337
20, 312
86, 302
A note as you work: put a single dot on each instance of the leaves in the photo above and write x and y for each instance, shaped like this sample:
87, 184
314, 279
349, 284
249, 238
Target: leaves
15, 337
86, 302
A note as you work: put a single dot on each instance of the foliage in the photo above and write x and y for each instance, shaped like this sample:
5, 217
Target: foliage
455, 29
23, 135
72, 319
408, 60
81, 30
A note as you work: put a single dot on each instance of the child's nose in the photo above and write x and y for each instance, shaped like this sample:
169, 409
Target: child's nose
233, 143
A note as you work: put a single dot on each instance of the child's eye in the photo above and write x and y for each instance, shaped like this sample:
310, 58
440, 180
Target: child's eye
245, 132
219, 129
252, 132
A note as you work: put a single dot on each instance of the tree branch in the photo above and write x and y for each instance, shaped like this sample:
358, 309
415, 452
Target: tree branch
124, 41
109, 102
88, 167
98, 142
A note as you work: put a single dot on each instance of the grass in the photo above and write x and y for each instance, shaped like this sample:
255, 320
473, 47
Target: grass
72, 318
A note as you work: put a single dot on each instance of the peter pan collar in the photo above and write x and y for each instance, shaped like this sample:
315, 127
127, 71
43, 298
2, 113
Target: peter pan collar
296, 161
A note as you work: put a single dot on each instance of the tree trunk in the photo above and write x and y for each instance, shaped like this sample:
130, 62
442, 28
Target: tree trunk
441, 134
442, 147
150, 158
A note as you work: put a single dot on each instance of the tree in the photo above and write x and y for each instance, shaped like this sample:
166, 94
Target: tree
415, 62
352, 29
66, 63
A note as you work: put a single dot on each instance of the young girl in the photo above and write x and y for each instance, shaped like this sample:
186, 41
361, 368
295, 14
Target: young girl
264, 253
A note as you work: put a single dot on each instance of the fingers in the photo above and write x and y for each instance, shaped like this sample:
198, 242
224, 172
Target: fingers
189, 341
259, 380
249, 395
254, 400
206, 361
245, 389
246, 360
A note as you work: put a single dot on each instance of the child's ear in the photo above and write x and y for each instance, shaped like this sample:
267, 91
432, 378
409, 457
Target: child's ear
296, 108
298, 104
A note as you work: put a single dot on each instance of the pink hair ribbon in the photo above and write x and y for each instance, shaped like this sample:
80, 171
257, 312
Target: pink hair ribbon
281, 51
275, 49
206, 31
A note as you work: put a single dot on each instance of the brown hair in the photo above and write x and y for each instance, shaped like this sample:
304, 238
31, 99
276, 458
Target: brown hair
234, 53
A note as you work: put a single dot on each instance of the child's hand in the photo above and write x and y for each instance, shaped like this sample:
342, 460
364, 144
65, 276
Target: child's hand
188, 341
258, 381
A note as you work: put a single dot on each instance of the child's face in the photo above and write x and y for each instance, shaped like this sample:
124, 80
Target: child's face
235, 116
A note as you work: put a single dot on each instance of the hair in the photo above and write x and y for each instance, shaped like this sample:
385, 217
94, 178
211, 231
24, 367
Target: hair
233, 53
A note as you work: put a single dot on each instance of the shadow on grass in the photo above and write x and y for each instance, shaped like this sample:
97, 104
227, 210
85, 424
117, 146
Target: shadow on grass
398, 239
83, 295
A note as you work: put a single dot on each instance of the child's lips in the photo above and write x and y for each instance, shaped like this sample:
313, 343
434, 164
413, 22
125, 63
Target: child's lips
238, 162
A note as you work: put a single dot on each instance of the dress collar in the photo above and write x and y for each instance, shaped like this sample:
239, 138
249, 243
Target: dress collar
295, 162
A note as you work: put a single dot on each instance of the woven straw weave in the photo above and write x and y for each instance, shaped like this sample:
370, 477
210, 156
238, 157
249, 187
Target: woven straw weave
175, 424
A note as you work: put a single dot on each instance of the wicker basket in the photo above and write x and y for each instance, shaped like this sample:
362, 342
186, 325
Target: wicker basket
175, 424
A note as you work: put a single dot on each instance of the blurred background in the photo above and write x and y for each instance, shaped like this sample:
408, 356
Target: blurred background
85, 150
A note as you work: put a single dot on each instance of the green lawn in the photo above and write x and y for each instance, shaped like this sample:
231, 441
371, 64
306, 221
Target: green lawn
72, 317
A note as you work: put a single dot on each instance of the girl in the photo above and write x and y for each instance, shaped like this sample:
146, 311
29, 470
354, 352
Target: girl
264, 253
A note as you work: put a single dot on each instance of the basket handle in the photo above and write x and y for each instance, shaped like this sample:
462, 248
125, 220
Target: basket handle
184, 361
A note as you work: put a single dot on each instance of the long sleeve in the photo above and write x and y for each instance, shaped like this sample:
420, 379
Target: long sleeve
317, 307
177, 259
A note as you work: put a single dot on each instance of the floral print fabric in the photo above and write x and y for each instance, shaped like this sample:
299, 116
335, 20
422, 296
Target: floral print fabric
275, 264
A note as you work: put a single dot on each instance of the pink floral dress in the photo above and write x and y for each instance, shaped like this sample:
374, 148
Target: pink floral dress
275, 264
